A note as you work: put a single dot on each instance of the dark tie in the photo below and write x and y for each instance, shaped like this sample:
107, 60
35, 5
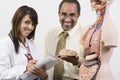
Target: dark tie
59, 68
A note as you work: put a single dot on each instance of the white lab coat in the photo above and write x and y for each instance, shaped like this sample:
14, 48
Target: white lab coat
12, 65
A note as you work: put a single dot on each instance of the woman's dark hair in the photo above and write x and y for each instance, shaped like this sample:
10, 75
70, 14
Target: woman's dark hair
71, 1
16, 22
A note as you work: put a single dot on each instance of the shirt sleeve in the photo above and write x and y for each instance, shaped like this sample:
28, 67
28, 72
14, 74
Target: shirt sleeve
12, 73
7, 69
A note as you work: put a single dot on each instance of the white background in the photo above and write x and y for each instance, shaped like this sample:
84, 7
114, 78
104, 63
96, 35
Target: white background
47, 11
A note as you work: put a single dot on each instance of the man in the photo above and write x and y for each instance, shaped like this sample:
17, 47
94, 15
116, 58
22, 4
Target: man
69, 12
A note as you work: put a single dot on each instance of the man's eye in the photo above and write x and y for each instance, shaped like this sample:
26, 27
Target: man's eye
63, 14
72, 15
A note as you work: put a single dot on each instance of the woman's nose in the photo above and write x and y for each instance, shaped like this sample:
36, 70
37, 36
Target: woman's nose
31, 26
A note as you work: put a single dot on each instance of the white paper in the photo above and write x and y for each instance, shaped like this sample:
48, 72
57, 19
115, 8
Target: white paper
48, 62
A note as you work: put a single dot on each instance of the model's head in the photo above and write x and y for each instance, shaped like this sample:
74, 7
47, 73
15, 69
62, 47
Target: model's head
97, 4
24, 22
69, 12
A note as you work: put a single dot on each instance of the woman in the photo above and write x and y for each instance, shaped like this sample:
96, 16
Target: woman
99, 41
19, 43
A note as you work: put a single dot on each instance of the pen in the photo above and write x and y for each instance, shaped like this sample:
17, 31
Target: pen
29, 57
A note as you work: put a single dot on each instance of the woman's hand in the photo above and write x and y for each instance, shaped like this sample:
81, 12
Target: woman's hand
30, 66
34, 69
41, 72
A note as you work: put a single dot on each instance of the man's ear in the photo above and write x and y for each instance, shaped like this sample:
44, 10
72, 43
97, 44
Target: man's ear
78, 14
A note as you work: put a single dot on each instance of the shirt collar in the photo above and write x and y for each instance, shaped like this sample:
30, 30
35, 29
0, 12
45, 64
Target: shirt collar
26, 43
70, 32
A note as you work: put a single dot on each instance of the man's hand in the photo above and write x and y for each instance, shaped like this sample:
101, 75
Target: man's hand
69, 55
